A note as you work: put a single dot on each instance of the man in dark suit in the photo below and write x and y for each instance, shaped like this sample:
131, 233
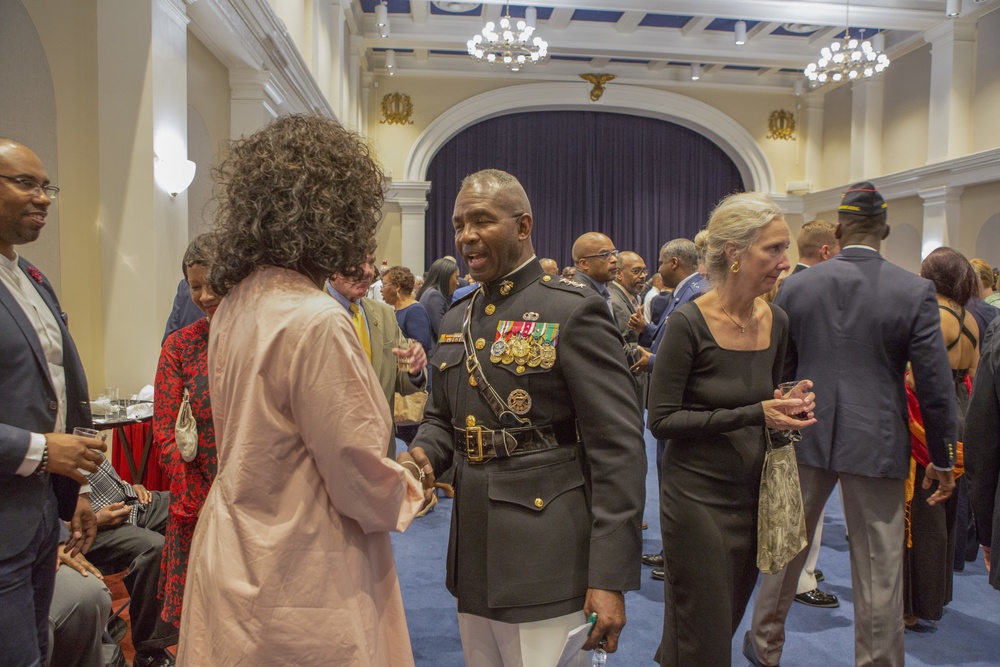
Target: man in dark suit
625, 306
817, 242
982, 449
679, 271
854, 322
531, 397
44, 397
596, 261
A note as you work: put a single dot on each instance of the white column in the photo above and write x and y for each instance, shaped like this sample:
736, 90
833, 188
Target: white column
252, 105
942, 208
812, 112
411, 196
142, 102
952, 67
339, 39
867, 102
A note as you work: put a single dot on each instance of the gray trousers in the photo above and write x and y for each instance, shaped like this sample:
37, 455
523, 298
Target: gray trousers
873, 509
80, 609
139, 549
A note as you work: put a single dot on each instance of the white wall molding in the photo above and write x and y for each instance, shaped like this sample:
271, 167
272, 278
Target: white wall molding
248, 35
968, 170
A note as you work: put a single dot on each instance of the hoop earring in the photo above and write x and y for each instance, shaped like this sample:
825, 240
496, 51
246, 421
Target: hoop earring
735, 268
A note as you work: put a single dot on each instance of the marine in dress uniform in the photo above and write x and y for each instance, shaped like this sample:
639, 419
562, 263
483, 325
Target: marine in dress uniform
533, 401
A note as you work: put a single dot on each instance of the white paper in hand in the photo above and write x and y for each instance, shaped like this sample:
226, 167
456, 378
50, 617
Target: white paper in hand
577, 637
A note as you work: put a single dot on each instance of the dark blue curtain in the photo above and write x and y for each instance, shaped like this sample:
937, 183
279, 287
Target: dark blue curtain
639, 180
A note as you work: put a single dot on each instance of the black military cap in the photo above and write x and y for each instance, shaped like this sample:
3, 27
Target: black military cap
862, 199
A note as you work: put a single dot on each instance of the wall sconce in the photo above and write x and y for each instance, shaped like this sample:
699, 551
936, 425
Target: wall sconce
740, 33
695, 71
173, 175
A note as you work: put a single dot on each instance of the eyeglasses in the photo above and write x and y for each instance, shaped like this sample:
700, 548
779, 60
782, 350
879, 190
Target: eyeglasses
603, 255
28, 185
638, 271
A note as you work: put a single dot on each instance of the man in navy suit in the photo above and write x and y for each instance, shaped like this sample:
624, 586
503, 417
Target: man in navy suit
854, 322
679, 271
44, 397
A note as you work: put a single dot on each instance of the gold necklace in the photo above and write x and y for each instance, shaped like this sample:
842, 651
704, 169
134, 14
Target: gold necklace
743, 327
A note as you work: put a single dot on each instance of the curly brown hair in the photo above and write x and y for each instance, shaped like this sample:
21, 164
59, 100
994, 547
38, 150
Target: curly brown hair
303, 193
402, 278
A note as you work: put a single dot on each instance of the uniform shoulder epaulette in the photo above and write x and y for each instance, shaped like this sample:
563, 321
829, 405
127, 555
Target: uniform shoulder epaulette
564, 284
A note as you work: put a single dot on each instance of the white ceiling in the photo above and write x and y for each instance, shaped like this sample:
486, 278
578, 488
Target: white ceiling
647, 42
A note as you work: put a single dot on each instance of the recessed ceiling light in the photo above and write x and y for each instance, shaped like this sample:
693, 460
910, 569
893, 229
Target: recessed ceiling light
455, 7
801, 28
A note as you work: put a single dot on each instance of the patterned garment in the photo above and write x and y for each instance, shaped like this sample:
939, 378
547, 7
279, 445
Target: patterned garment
183, 364
107, 487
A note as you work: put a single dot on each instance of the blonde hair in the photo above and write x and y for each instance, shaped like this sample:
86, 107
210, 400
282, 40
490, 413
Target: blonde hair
737, 219
985, 272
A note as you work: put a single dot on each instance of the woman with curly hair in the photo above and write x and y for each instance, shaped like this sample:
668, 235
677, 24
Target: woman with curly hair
291, 561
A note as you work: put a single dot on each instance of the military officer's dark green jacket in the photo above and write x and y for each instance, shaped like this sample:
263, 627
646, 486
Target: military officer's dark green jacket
531, 533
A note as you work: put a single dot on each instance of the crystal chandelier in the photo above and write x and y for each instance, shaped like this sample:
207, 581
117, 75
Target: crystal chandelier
513, 45
848, 59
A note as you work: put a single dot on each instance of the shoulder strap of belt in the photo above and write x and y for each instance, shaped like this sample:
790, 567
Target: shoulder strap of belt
507, 418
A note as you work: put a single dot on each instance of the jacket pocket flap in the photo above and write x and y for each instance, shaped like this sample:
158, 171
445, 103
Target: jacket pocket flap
535, 488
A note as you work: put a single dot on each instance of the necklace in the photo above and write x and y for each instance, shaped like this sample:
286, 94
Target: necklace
743, 327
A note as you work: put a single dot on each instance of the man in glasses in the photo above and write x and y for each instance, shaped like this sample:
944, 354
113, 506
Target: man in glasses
596, 261
625, 305
45, 397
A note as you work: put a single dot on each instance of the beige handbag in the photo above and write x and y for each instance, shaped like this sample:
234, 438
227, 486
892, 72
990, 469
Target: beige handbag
781, 522
408, 410
186, 430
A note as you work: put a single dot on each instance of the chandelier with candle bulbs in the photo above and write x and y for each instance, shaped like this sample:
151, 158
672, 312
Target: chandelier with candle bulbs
512, 44
848, 58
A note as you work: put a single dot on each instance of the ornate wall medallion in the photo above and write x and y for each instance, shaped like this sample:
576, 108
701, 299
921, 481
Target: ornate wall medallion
397, 109
781, 125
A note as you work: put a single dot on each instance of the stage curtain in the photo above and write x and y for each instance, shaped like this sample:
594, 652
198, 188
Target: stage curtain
641, 181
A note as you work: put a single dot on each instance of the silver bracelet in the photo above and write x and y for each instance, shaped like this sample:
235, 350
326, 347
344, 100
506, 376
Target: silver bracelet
43, 465
421, 475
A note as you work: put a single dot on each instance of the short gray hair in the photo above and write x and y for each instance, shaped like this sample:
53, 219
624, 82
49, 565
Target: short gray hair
737, 219
682, 249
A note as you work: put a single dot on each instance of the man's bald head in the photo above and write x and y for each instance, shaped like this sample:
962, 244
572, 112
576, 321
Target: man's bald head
594, 255
631, 272
549, 266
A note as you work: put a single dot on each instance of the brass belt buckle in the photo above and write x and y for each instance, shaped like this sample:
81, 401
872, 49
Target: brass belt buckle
475, 454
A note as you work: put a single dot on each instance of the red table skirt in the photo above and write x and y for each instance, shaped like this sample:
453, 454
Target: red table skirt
155, 478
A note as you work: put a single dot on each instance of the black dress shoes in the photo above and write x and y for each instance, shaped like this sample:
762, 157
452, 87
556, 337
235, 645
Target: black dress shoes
819, 575
653, 560
817, 598
156, 658
749, 653
657, 573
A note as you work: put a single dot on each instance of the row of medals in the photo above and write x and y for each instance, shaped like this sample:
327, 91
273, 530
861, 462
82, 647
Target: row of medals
525, 343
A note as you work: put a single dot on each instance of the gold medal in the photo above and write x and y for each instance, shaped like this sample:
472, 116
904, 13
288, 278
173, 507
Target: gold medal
535, 354
519, 402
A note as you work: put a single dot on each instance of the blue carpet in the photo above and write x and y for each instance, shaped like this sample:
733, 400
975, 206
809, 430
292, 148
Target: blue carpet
969, 633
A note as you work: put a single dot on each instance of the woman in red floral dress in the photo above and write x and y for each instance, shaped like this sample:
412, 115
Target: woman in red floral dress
184, 365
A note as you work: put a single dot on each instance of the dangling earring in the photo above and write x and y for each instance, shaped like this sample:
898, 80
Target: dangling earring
735, 268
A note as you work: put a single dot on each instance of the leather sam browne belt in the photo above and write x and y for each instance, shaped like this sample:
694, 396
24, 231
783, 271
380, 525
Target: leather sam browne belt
480, 444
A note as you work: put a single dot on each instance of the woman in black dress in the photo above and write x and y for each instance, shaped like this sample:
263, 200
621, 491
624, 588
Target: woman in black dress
712, 402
